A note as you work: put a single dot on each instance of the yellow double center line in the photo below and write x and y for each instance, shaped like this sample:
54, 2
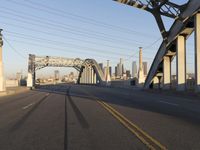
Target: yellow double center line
149, 141
144, 137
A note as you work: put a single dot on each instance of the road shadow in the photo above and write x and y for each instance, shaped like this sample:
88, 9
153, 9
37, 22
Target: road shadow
132, 100
26, 116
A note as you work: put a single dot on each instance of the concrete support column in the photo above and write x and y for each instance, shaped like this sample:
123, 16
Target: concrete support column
155, 82
85, 70
197, 51
85, 75
2, 79
181, 63
92, 76
166, 72
95, 78
89, 75
30, 80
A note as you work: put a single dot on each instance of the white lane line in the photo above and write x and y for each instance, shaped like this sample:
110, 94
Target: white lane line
29, 105
169, 103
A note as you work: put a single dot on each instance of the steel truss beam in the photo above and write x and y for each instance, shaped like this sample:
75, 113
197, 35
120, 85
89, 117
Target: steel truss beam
39, 62
183, 25
158, 8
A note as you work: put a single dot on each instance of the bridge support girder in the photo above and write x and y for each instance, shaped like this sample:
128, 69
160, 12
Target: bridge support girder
166, 72
197, 51
181, 63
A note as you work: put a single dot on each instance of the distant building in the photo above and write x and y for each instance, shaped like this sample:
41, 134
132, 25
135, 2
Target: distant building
57, 75
104, 71
115, 71
101, 66
110, 70
134, 69
120, 68
128, 74
145, 68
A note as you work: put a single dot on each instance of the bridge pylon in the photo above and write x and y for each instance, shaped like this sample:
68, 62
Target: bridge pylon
2, 78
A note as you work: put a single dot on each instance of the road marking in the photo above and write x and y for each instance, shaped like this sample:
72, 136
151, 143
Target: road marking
169, 103
144, 137
29, 105
149, 141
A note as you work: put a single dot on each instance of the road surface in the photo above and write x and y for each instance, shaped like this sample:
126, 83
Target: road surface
80, 117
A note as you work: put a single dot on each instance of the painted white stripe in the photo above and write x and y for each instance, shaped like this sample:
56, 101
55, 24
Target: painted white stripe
169, 103
29, 105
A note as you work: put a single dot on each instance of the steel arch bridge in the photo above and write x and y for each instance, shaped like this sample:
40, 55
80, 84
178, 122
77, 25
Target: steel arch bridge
89, 70
186, 21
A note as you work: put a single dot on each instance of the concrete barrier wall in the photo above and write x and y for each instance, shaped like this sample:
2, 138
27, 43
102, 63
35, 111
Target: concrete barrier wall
12, 83
121, 83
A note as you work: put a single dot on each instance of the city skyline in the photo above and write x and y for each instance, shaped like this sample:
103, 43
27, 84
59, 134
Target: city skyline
26, 26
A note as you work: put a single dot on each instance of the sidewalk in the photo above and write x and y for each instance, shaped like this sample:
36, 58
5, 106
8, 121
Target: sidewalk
13, 90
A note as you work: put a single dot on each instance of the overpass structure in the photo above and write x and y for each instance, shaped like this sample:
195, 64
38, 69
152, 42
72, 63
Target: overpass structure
186, 21
89, 70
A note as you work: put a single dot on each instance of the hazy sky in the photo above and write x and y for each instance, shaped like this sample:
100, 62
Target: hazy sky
99, 29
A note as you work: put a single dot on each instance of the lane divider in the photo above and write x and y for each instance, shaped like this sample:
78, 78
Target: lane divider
145, 138
29, 105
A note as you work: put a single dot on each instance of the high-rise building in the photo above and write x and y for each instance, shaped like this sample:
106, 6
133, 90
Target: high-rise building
140, 71
128, 74
134, 69
118, 70
110, 70
101, 66
145, 68
115, 71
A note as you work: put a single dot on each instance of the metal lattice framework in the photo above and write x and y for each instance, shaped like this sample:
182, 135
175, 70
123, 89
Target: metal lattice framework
47, 61
158, 8
38, 62
183, 16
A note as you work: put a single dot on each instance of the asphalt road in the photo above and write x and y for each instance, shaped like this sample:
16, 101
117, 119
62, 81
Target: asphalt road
80, 117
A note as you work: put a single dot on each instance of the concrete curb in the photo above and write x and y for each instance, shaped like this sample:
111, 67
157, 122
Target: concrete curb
13, 91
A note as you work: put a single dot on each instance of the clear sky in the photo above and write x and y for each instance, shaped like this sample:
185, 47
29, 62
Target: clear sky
99, 29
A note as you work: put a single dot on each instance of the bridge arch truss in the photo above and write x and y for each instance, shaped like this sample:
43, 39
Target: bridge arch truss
89, 70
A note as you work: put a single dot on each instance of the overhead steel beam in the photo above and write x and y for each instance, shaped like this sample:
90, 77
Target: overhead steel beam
39, 62
179, 27
157, 8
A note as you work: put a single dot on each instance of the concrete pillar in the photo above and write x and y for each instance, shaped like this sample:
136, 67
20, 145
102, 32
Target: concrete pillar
89, 75
166, 72
95, 78
30, 80
155, 82
197, 51
2, 79
92, 76
181, 63
85, 75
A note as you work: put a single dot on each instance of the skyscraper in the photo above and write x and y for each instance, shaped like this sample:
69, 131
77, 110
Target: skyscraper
134, 69
115, 71
145, 68
140, 71
110, 70
101, 66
